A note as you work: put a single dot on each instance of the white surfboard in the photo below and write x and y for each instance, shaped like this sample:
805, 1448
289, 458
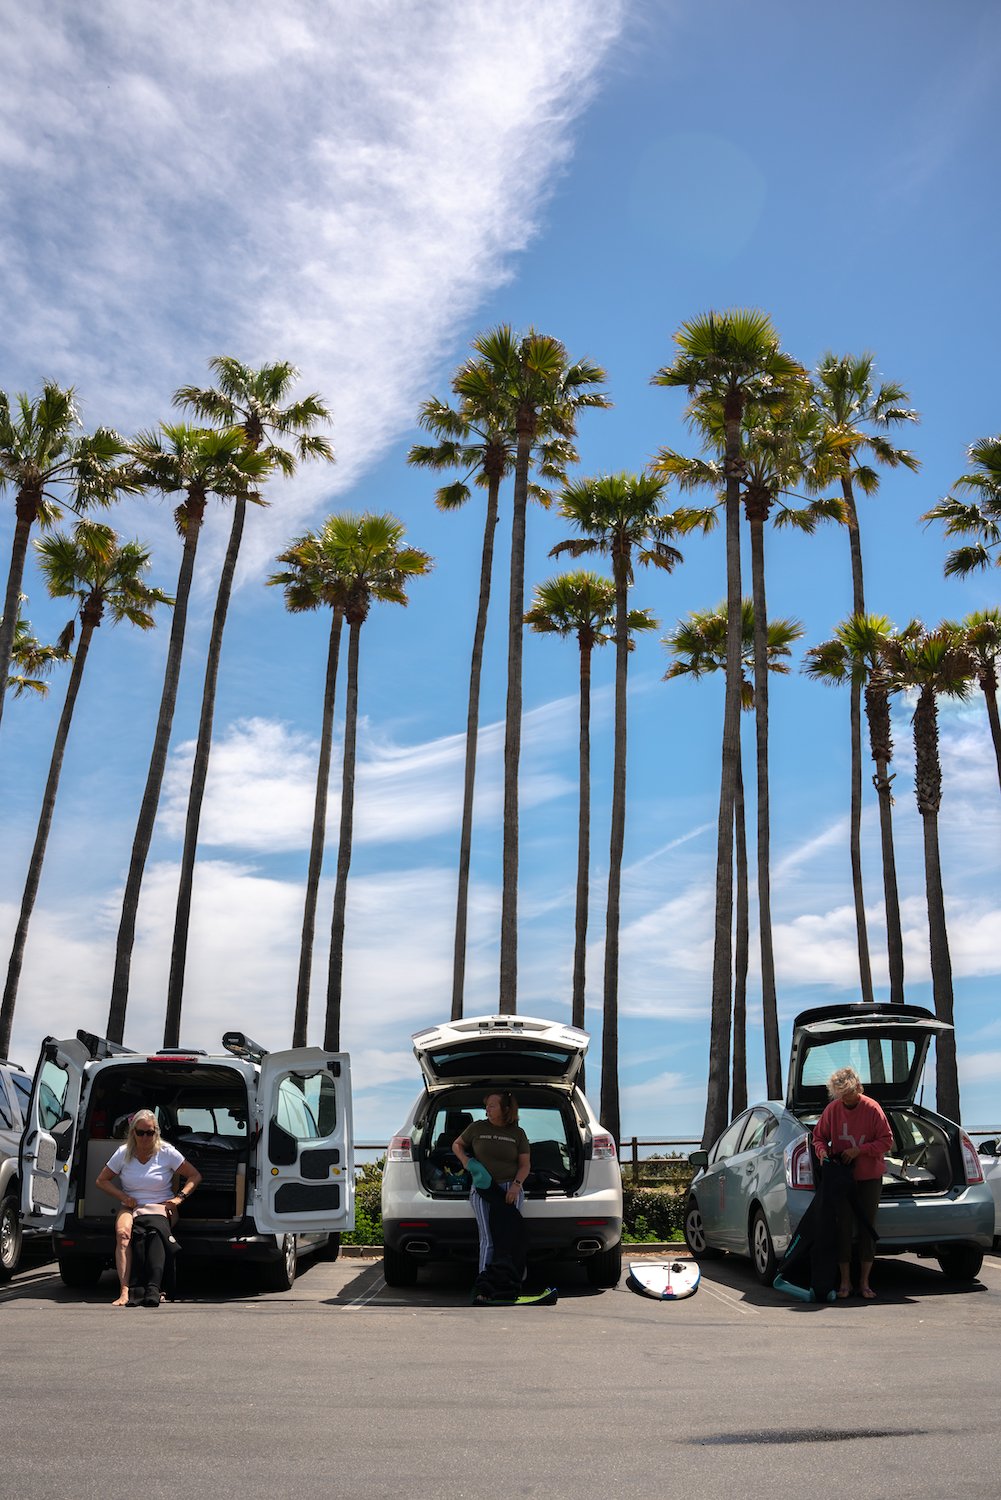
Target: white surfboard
667, 1280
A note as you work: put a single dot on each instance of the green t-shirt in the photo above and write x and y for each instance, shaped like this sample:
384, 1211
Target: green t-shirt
496, 1146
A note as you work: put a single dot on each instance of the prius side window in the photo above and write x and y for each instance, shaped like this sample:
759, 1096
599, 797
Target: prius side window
759, 1128
727, 1143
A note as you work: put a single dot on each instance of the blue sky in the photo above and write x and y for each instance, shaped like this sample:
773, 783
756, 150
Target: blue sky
361, 189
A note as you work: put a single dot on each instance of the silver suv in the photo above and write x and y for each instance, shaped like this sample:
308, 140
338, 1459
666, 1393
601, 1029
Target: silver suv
15, 1091
573, 1195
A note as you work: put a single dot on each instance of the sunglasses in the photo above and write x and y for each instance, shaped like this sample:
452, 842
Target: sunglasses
144, 1132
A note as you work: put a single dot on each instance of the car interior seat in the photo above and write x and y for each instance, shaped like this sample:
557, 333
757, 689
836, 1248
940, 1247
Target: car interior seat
456, 1121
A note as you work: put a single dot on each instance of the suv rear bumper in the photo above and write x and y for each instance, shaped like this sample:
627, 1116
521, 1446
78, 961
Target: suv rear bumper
456, 1238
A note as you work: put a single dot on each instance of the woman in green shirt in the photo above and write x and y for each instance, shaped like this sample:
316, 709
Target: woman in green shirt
502, 1146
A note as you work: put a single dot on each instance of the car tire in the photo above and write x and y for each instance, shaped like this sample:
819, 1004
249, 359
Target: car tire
10, 1236
398, 1269
695, 1233
331, 1250
762, 1250
279, 1275
962, 1263
604, 1269
81, 1270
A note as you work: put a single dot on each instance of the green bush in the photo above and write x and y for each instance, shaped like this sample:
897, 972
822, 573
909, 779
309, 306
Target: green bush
651, 1214
368, 1207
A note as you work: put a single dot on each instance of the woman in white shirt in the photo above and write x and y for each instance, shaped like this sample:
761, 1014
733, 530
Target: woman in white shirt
145, 1166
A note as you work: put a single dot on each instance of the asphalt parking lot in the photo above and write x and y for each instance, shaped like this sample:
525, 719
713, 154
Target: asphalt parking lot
344, 1386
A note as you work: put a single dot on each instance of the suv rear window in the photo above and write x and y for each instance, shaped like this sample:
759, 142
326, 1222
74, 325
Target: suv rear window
502, 1058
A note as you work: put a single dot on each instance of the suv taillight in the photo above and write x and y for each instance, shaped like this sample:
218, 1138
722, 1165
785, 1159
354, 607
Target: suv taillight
971, 1161
603, 1148
799, 1165
400, 1149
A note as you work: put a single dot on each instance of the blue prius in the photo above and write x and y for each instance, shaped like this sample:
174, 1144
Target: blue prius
753, 1184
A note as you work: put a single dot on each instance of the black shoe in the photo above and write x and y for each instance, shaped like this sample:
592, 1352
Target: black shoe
136, 1294
152, 1297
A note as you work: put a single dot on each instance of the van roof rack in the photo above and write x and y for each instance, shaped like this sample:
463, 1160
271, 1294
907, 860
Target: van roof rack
8, 1062
99, 1047
244, 1047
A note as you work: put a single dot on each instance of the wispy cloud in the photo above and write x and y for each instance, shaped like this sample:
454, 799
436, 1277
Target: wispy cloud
337, 184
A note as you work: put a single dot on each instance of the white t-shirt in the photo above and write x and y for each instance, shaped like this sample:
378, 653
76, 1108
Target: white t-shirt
147, 1182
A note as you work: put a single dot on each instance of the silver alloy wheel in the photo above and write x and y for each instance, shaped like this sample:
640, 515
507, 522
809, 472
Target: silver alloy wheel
9, 1235
695, 1233
289, 1251
762, 1251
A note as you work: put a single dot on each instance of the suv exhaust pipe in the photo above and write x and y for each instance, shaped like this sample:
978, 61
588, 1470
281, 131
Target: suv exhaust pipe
417, 1247
588, 1247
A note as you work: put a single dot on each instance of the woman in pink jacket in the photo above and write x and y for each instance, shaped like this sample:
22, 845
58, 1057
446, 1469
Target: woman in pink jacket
855, 1129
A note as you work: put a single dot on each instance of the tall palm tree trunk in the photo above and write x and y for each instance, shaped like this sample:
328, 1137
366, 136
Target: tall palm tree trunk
472, 733
988, 680
196, 792
583, 840
318, 835
508, 995
719, 1021
154, 779
928, 788
335, 970
769, 1000
877, 708
740, 952
89, 620
25, 512
610, 1015
855, 814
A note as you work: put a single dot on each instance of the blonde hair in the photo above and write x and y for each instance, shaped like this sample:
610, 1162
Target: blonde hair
141, 1116
842, 1080
508, 1103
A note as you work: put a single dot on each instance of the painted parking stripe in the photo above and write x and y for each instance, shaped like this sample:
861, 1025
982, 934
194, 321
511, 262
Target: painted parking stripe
367, 1297
734, 1302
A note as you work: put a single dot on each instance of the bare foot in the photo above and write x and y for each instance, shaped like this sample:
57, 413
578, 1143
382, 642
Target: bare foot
844, 1292
868, 1293
122, 1299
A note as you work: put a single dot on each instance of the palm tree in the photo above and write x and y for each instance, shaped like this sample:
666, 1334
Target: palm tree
619, 515
98, 573
542, 392
31, 660
728, 357
48, 465
195, 462
981, 635
776, 438
367, 556
857, 651
979, 517
311, 580
856, 416
699, 645
582, 604
250, 401
477, 437
934, 664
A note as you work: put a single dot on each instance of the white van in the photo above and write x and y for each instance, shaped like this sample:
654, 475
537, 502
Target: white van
269, 1132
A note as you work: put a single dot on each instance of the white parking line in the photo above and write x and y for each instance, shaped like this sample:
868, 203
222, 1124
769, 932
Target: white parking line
715, 1291
357, 1302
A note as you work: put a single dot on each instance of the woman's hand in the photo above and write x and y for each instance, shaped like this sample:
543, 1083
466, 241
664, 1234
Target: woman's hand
511, 1196
850, 1153
129, 1202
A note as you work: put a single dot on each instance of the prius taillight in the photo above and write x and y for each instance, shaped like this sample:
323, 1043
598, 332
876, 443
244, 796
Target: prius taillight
603, 1148
799, 1165
971, 1161
400, 1149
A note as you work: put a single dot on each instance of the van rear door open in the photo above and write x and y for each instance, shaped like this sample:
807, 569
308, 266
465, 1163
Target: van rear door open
50, 1132
304, 1178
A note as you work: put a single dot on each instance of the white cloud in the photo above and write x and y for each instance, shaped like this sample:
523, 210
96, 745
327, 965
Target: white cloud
262, 780
985, 1067
337, 184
